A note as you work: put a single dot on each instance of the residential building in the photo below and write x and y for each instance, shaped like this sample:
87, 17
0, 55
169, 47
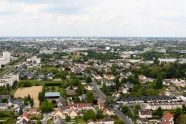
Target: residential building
145, 114
107, 120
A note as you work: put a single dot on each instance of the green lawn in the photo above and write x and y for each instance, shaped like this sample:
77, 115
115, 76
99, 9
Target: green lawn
10, 121
41, 83
72, 56
50, 121
5, 113
4, 118
59, 79
36, 117
80, 120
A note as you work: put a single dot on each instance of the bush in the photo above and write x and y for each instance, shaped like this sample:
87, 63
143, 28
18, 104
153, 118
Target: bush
52, 84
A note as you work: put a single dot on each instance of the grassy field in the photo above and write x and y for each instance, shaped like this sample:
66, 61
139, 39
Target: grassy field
49, 121
79, 120
33, 91
10, 121
36, 117
59, 79
4, 118
72, 56
42, 83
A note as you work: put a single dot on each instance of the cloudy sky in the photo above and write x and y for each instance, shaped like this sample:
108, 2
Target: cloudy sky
145, 18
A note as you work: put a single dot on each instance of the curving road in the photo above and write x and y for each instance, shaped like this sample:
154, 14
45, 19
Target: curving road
118, 112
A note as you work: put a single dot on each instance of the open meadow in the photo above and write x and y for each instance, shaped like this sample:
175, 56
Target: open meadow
33, 91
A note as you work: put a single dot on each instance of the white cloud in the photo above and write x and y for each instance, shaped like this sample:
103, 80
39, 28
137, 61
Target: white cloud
93, 18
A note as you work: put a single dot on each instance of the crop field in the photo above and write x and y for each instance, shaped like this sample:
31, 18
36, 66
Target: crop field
33, 91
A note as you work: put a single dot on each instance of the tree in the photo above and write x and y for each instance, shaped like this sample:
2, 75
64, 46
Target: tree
181, 119
29, 97
41, 96
108, 102
113, 69
89, 97
99, 114
79, 89
39, 122
88, 80
159, 112
183, 109
46, 106
4, 100
20, 111
104, 88
53, 88
68, 118
159, 83
119, 122
89, 114
125, 109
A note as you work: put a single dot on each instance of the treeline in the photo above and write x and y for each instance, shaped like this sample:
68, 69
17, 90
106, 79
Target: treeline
151, 55
101, 56
165, 71
55, 55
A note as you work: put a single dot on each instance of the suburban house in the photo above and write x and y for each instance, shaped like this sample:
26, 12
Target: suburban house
57, 120
34, 111
122, 90
88, 87
145, 114
166, 105
3, 106
167, 119
101, 103
58, 112
107, 120
61, 101
109, 76
70, 92
106, 111
24, 119
143, 121
72, 113
8, 97
90, 121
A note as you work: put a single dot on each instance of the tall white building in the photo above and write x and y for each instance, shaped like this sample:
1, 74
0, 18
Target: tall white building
5, 59
9, 79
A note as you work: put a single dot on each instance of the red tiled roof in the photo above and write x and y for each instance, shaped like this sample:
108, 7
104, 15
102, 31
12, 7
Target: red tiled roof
25, 115
168, 116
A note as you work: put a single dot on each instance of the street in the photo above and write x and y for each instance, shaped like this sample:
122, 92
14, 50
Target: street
118, 112
45, 119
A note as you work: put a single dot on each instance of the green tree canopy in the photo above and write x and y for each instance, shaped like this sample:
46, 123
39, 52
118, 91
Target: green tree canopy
89, 114
68, 118
99, 114
90, 97
46, 106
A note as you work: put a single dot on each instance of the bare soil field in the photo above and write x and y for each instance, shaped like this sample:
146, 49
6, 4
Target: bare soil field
33, 91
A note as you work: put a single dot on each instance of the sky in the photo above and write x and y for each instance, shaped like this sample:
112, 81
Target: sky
107, 18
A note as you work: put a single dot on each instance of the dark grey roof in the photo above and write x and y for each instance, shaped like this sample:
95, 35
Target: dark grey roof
3, 104
62, 100
58, 120
8, 97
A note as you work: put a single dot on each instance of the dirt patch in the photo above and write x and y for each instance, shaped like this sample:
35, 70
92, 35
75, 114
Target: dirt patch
33, 91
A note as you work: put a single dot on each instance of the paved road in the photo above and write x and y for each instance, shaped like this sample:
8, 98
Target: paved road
97, 89
45, 119
118, 112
